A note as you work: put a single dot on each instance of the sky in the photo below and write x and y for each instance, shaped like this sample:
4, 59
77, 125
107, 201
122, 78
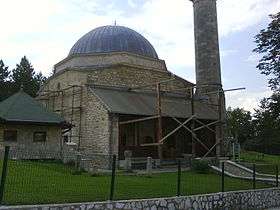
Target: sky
45, 31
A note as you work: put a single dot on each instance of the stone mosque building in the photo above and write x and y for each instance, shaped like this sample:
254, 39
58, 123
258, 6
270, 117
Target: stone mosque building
119, 95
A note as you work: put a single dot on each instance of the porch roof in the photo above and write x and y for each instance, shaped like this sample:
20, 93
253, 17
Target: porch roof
144, 102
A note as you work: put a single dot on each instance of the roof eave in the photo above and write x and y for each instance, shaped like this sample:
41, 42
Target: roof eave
27, 122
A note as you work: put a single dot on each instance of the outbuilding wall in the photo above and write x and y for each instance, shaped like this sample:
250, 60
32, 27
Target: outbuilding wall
25, 137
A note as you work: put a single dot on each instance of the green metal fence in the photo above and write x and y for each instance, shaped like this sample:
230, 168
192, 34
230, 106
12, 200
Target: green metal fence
42, 177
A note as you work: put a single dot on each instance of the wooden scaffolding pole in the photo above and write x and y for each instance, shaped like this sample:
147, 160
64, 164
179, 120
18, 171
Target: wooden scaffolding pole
170, 133
159, 130
138, 120
220, 123
189, 130
193, 124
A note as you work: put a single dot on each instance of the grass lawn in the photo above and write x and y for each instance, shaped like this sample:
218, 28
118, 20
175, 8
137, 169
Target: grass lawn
40, 182
270, 160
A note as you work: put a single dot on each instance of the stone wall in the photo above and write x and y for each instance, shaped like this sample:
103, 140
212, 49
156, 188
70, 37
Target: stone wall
251, 199
95, 128
129, 76
109, 58
207, 57
25, 137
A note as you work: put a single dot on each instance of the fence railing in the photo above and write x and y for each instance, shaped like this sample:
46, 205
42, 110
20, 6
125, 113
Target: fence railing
44, 178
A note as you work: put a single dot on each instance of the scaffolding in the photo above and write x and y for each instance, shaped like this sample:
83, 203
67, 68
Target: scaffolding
196, 124
67, 103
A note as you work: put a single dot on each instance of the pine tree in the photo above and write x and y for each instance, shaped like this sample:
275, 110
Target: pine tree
4, 81
4, 72
24, 75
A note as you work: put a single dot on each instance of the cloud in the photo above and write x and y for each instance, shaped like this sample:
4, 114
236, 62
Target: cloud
225, 53
237, 15
171, 34
132, 4
245, 99
254, 58
26, 16
58, 24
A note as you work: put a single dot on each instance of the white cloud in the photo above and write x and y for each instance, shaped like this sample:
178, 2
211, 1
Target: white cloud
245, 99
171, 33
132, 4
26, 16
168, 25
225, 53
254, 58
236, 15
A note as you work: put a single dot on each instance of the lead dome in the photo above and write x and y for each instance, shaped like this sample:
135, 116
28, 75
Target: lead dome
113, 38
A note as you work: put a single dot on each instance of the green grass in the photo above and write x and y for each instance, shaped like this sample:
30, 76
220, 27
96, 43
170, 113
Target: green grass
31, 182
270, 160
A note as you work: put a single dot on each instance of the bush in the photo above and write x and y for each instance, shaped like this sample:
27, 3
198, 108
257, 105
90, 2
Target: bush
201, 167
272, 148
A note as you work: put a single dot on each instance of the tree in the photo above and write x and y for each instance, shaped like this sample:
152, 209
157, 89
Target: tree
4, 72
267, 116
4, 81
40, 79
268, 43
24, 75
267, 122
240, 124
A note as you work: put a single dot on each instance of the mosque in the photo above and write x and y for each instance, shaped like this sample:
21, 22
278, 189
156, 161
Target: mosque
120, 96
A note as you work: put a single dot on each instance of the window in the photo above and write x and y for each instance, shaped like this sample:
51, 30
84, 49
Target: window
39, 136
65, 139
10, 135
58, 86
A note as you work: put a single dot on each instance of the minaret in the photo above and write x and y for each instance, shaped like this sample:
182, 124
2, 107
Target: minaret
207, 62
207, 56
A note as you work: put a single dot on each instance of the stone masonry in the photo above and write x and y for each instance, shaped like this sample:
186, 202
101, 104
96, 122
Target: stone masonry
207, 57
98, 129
238, 200
25, 137
109, 58
207, 63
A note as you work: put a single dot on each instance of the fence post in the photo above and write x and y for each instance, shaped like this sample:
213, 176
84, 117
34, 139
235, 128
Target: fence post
4, 172
254, 176
276, 175
179, 179
149, 167
78, 162
223, 177
113, 178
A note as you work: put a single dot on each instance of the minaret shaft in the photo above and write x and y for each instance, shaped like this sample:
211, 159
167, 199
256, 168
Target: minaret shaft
207, 56
207, 64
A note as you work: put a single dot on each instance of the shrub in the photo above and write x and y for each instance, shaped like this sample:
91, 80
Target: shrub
201, 167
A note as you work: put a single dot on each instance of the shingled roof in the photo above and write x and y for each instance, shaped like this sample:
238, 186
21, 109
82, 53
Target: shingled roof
22, 108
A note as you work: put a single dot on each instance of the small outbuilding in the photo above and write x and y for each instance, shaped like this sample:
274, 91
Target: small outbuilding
27, 124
